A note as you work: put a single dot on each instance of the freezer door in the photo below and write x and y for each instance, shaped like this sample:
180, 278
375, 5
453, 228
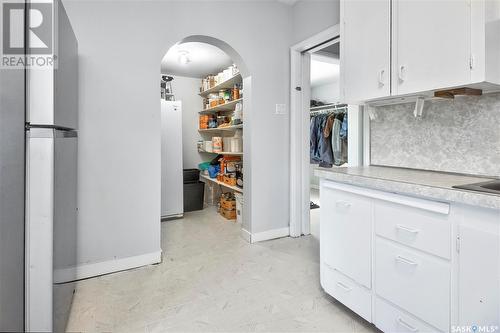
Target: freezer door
172, 201
53, 93
50, 221
12, 117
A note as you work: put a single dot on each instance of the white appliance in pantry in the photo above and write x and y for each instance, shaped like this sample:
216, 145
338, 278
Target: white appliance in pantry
172, 192
38, 178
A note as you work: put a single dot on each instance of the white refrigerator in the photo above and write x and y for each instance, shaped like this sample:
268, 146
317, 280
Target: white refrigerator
38, 184
172, 193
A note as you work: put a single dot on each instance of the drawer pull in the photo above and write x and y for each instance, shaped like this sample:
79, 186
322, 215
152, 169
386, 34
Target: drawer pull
406, 325
343, 286
406, 261
343, 204
410, 230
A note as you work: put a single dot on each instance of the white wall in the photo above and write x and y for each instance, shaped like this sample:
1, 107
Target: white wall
327, 93
312, 16
186, 90
121, 44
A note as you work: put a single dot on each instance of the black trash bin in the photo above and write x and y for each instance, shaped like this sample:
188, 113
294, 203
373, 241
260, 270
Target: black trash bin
191, 175
194, 190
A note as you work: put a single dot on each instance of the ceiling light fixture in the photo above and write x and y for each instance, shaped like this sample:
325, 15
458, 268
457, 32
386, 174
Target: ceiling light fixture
184, 57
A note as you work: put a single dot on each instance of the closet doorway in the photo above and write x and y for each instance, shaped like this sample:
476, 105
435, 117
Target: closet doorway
325, 132
328, 121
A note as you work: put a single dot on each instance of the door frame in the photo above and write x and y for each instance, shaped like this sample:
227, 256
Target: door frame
300, 60
299, 129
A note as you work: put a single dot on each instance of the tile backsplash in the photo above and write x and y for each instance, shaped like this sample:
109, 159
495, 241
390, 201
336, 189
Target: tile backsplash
460, 135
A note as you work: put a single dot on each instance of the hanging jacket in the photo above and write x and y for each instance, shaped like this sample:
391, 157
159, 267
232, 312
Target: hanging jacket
314, 141
329, 125
325, 144
337, 143
343, 128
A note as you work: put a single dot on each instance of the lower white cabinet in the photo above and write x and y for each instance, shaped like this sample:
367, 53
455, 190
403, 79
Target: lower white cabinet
416, 228
479, 268
416, 282
346, 222
389, 318
347, 291
410, 264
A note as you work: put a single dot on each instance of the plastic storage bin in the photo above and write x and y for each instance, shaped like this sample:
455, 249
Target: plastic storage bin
194, 190
191, 175
193, 196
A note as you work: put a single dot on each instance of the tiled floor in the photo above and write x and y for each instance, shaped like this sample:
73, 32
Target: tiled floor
212, 280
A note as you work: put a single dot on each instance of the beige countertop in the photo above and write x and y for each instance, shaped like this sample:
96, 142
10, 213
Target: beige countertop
429, 184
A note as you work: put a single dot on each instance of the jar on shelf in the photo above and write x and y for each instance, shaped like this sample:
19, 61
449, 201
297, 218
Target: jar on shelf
235, 92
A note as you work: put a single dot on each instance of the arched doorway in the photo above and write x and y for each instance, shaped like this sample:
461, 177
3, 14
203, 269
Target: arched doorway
245, 80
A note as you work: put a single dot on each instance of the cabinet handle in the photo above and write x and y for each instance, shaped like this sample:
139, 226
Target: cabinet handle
343, 204
343, 286
410, 230
381, 79
406, 325
402, 73
406, 261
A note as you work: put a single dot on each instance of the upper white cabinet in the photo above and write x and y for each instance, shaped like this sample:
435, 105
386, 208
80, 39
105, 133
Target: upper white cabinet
427, 46
365, 35
431, 45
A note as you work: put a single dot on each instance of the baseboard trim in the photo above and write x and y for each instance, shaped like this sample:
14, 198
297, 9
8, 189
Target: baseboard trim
86, 271
270, 234
246, 235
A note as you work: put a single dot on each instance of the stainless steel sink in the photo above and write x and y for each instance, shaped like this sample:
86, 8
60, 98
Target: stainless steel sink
492, 186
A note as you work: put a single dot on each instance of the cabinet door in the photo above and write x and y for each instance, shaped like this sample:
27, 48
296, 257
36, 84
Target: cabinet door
365, 50
431, 45
479, 268
346, 229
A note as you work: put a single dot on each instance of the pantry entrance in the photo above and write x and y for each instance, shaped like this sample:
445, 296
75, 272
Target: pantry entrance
205, 95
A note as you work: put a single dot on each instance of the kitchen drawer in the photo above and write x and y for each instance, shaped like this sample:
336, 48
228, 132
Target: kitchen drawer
389, 318
345, 290
346, 233
417, 282
418, 228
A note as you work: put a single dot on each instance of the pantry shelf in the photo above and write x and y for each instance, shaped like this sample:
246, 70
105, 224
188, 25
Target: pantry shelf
218, 129
223, 85
234, 188
222, 153
229, 106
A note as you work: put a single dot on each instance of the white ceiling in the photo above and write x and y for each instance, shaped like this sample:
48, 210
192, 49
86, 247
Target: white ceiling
204, 58
324, 70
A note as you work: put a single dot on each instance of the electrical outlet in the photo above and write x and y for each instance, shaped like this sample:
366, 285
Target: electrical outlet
280, 109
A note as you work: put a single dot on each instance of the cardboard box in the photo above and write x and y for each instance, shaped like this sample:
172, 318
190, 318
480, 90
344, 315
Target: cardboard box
229, 181
229, 214
227, 204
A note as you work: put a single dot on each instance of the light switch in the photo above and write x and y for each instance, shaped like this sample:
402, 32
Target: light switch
280, 108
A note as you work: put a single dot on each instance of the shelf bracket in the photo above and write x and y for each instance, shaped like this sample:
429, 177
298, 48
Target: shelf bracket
372, 113
419, 107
